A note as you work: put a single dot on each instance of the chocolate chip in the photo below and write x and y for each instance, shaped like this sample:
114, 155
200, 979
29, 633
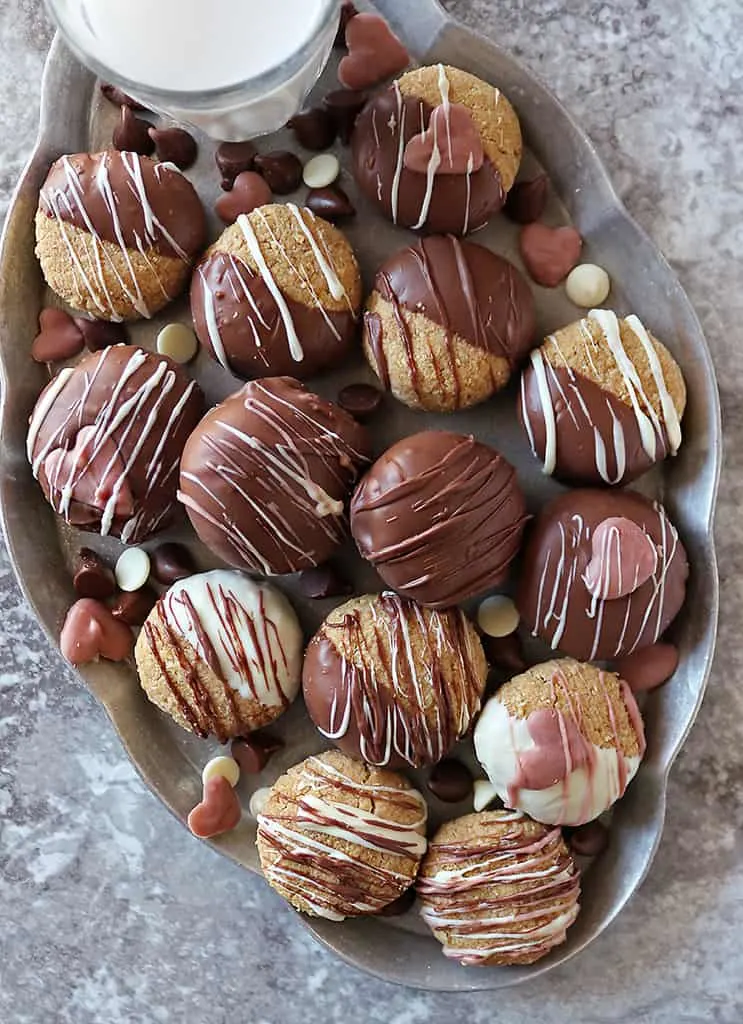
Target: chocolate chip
254, 752
323, 581
505, 652
281, 169
171, 562
314, 129
348, 11
248, 192
131, 134
175, 146
232, 159
331, 203
344, 106
59, 338
99, 334
93, 578
133, 607
450, 781
120, 99
588, 840
361, 400
526, 201
401, 905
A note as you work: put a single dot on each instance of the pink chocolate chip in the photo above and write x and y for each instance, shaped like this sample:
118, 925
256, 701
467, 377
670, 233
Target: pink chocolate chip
249, 192
93, 470
649, 667
219, 810
549, 254
623, 557
450, 145
374, 53
90, 632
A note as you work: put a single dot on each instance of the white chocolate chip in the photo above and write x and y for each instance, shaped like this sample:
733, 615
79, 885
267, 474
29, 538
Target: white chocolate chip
321, 171
588, 285
132, 569
258, 801
227, 767
484, 794
178, 342
498, 616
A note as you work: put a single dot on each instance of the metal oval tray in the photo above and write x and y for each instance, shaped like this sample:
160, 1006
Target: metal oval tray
73, 117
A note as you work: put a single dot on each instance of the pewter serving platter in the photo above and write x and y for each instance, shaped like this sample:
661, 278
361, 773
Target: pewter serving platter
73, 118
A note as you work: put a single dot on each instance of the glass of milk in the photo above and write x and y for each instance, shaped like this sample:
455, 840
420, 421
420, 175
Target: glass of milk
234, 68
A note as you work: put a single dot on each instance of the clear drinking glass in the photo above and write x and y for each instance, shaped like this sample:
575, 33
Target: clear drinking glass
233, 68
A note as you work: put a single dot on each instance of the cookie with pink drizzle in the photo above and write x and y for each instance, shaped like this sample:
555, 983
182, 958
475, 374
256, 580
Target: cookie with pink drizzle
498, 889
561, 742
338, 839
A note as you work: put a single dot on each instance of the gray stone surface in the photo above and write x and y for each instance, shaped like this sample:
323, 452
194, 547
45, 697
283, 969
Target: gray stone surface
110, 913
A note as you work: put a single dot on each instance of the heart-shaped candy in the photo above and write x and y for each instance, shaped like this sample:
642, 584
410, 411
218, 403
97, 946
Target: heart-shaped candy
90, 632
93, 471
59, 337
374, 53
219, 810
649, 667
249, 192
623, 557
450, 145
550, 254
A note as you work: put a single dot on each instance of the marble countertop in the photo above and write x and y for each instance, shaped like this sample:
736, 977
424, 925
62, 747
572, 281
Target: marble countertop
110, 913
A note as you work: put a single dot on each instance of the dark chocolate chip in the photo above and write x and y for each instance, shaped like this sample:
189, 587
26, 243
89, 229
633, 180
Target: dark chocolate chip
232, 159
248, 192
171, 562
175, 146
314, 129
400, 906
526, 201
505, 652
323, 581
344, 106
98, 334
59, 338
348, 11
93, 578
451, 781
281, 169
588, 840
331, 202
254, 752
119, 98
133, 607
131, 134
361, 400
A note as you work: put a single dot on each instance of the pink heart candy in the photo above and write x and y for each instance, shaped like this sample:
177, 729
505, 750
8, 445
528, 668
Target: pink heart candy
249, 192
93, 470
549, 254
649, 667
90, 632
450, 145
219, 810
374, 53
59, 337
623, 557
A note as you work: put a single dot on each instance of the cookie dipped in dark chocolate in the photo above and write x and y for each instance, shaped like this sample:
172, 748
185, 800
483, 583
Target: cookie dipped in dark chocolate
129, 200
265, 476
553, 598
440, 516
446, 203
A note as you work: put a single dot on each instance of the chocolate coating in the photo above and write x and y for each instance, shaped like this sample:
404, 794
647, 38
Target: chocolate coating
555, 603
127, 199
440, 516
458, 203
119, 477
265, 475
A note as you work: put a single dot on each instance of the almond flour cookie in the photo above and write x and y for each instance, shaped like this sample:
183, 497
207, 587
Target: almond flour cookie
439, 149
338, 839
602, 400
497, 889
221, 654
105, 438
447, 323
394, 683
561, 742
117, 233
278, 293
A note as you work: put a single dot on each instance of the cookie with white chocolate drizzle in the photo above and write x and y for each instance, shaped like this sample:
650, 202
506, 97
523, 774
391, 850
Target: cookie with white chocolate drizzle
338, 839
278, 293
602, 400
498, 888
117, 233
